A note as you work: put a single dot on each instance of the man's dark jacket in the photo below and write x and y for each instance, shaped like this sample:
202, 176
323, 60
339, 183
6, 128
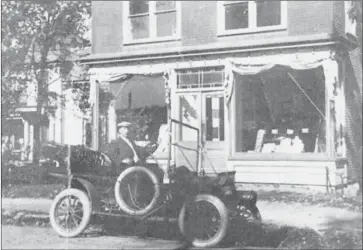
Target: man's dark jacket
119, 150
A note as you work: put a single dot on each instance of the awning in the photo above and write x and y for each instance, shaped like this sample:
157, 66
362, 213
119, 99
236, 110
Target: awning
137, 91
146, 84
251, 66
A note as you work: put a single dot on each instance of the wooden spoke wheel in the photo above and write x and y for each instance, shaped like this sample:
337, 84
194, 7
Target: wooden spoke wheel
204, 221
70, 212
137, 191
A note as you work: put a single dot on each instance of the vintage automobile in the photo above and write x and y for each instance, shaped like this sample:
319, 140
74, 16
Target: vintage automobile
201, 205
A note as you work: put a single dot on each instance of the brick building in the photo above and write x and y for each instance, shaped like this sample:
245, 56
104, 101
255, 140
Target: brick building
275, 86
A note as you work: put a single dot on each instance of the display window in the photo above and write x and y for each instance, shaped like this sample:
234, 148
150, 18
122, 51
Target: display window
281, 111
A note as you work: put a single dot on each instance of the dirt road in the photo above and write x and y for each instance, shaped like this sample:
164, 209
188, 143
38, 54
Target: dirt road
14, 237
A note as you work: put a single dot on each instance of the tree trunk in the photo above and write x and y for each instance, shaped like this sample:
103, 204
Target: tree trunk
41, 100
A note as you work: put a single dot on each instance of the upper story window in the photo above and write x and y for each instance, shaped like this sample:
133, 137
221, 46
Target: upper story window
250, 16
151, 20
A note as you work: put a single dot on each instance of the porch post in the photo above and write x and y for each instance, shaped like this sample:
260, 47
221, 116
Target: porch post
112, 120
332, 105
95, 115
31, 142
26, 139
230, 112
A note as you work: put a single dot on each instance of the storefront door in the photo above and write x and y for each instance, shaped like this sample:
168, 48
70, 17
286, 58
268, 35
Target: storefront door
205, 111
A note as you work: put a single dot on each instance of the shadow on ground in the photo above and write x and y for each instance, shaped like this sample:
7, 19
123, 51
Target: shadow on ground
239, 234
346, 224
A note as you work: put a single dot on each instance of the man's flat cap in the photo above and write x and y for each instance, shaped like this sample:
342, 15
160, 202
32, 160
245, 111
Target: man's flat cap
124, 124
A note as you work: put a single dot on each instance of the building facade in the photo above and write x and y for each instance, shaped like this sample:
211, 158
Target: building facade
273, 86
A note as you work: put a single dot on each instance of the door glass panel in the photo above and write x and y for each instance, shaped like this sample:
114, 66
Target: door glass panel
214, 118
189, 114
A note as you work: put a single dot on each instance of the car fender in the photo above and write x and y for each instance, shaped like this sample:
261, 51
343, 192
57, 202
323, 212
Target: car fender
91, 190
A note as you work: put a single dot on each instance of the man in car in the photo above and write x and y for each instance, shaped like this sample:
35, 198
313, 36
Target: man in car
123, 150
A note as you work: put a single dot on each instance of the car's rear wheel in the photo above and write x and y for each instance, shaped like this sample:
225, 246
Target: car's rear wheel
204, 221
137, 191
70, 212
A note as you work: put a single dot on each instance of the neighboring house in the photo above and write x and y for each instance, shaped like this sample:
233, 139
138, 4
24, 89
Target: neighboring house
62, 122
275, 87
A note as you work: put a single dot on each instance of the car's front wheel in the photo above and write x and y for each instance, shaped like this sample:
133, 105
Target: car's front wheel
70, 212
204, 221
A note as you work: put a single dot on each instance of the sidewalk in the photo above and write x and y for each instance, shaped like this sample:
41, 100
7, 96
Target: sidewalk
294, 215
26, 204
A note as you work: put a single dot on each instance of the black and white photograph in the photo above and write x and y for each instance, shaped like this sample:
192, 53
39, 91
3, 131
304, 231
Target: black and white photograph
181, 124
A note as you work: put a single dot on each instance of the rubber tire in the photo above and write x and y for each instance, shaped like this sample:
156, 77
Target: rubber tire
256, 214
223, 212
87, 212
122, 203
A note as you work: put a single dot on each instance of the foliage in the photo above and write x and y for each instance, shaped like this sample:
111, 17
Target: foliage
35, 191
27, 174
39, 38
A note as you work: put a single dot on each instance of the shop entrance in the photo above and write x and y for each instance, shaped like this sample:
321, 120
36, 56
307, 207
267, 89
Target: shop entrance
200, 103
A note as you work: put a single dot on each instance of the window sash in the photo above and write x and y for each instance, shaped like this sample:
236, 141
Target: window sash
152, 13
200, 82
252, 17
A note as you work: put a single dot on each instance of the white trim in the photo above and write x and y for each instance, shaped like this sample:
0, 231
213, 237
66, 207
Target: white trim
252, 20
127, 39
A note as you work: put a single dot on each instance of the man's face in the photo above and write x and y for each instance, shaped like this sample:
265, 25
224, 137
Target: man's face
124, 131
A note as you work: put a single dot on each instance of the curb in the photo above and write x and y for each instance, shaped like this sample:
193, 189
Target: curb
25, 218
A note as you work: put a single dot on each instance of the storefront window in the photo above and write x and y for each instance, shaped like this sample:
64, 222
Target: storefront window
141, 101
281, 111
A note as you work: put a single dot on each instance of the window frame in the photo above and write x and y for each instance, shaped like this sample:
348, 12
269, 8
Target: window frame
127, 36
307, 156
252, 19
201, 87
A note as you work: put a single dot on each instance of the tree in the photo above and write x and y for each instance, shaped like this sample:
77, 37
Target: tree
39, 37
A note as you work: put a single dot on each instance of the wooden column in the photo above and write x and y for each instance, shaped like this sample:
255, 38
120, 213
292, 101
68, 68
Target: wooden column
95, 115
112, 120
